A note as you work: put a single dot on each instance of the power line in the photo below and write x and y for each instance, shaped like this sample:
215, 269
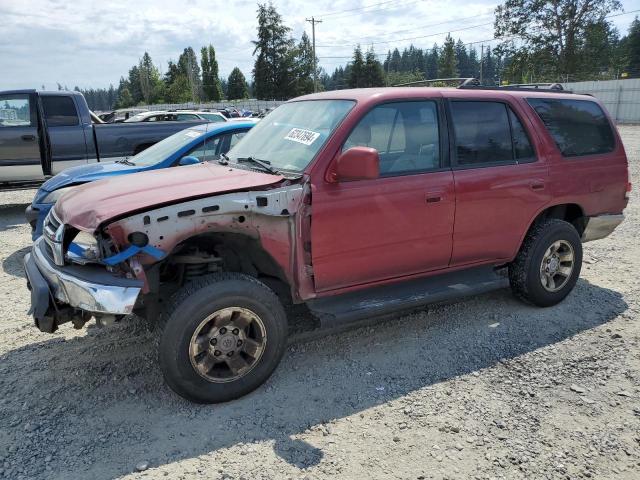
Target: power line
453, 31
358, 8
414, 38
363, 40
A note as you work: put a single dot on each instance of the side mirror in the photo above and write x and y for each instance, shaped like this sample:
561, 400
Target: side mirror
358, 163
188, 160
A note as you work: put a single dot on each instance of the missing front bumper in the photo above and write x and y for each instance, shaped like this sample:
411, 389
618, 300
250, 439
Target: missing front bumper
59, 294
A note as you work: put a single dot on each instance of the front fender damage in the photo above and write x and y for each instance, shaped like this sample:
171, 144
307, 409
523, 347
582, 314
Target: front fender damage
269, 217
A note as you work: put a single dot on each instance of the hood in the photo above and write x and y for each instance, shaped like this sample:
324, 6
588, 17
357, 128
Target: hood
87, 173
88, 206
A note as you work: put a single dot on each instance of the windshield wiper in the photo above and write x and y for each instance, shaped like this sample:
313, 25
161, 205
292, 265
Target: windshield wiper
265, 164
126, 161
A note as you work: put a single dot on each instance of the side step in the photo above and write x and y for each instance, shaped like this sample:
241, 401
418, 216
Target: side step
377, 301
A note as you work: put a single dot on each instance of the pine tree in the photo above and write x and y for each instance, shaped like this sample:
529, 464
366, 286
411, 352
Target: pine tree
188, 64
632, 47
396, 59
489, 69
149, 79
447, 64
304, 66
275, 50
357, 74
237, 85
125, 99
431, 63
211, 87
373, 73
462, 57
134, 85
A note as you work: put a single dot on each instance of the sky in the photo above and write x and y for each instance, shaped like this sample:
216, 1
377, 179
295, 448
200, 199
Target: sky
90, 43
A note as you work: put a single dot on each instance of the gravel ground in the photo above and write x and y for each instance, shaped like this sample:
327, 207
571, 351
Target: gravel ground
484, 388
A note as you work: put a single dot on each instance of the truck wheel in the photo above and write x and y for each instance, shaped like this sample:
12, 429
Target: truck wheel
224, 335
548, 264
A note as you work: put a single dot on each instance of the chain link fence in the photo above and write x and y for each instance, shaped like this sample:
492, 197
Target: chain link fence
620, 97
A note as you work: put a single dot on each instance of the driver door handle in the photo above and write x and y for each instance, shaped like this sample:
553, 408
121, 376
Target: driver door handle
28, 138
434, 198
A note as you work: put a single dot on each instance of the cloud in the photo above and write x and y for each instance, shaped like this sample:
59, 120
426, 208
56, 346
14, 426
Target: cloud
91, 43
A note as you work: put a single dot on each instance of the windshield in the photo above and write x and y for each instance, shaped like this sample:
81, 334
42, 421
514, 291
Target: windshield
290, 136
212, 117
161, 150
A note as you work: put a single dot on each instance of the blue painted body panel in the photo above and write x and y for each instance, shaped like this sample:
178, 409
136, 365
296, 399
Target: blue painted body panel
98, 171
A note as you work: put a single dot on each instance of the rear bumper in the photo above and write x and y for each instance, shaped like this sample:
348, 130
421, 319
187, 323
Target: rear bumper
601, 226
82, 289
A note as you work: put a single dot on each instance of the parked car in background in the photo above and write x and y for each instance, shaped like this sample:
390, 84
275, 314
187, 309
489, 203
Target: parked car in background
356, 203
120, 115
177, 116
43, 133
150, 116
196, 144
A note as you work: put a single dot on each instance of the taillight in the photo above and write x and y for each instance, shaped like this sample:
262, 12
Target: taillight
627, 194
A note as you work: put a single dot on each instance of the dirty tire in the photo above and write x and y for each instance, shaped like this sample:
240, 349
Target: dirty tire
192, 304
524, 271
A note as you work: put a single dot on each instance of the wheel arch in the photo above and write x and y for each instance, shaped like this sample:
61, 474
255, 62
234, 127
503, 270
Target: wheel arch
572, 213
242, 253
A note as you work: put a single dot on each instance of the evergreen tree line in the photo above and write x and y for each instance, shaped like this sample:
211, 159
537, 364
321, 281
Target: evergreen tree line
602, 55
188, 79
539, 41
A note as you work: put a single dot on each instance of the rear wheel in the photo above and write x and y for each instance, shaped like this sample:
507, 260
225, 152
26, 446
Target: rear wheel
548, 264
224, 336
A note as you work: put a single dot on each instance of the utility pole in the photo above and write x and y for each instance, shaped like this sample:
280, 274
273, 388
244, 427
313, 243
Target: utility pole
481, 60
313, 22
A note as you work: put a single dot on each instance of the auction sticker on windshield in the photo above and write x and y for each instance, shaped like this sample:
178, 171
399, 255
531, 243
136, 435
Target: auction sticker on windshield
300, 135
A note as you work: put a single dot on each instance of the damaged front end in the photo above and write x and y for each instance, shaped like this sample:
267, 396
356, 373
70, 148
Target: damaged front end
129, 265
69, 281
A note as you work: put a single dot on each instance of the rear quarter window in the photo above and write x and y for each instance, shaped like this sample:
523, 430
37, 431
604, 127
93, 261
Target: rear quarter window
59, 111
579, 127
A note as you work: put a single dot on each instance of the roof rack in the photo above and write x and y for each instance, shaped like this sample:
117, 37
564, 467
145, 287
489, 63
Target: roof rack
474, 84
524, 87
462, 81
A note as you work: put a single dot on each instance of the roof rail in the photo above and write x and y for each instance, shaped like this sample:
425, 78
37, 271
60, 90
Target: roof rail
525, 87
461, 81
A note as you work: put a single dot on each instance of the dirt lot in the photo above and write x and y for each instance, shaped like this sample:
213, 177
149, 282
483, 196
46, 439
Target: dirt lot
484, 388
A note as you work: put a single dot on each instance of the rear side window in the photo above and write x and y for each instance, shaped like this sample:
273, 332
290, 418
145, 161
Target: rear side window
59, 111
488, 133
579, 127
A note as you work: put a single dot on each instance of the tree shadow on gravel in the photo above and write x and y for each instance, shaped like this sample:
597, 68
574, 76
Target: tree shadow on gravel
97, 403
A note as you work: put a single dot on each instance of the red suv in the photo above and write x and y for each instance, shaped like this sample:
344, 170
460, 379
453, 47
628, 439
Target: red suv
356, 203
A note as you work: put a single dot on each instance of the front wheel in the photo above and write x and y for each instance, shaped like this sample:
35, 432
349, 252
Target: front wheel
224, 336
548, 265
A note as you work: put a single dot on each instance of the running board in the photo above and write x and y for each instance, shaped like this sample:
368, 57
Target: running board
350, 307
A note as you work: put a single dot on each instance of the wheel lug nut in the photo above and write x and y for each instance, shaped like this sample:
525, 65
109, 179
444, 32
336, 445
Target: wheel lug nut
223, 330
230, 354
239, 343
213, 341
217, 353
236, 331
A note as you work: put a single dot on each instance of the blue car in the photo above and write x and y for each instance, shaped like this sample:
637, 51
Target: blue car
196, 144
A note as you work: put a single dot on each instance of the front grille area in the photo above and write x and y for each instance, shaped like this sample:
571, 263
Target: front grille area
53, 233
